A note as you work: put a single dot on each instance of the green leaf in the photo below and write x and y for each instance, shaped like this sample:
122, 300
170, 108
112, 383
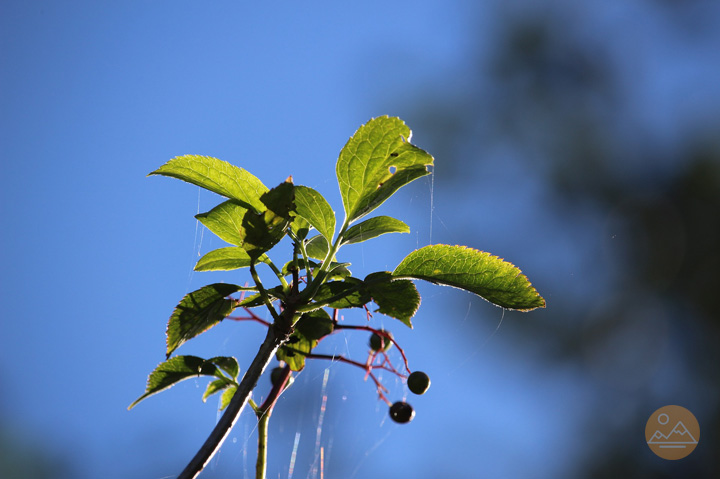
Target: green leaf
479, 272
227, 397
338, 271
300, 227
215, 387
218, 176
251, 301
374, 227
224, 259
288, 267
175, 370
316, 325
199, 311
256, 299
225, 220
264, 230
312, 206
398, 299
317, 247
375, 162
348, 294
227, 364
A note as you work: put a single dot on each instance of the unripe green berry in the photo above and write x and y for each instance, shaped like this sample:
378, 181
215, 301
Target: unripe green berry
402, 412
418, 382
378, 342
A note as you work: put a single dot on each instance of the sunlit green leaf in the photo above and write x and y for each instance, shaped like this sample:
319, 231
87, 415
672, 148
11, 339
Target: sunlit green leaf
225, 220
398, 299
215, 387
227, 397
227, 364
339, 271
175, 370
312, 206
317, 247
223, 259
479, 272
374, 227
375, 162
218, 176
199, 311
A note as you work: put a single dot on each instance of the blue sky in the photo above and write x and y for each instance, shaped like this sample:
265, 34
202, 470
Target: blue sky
95, 95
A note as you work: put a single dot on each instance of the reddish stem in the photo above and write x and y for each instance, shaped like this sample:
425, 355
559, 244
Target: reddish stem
380, 388
384, 334
276, 391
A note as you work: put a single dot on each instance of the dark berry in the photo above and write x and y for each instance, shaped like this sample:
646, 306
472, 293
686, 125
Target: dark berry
418, 382
378, 342
276, 374
402, 412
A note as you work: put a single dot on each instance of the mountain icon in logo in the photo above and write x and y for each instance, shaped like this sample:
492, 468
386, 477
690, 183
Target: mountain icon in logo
678, 437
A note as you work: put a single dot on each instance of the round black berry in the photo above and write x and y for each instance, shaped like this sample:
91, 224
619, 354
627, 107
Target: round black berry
418, 382
402, 412
378, 342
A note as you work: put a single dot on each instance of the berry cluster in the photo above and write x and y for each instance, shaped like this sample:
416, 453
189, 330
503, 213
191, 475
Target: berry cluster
418, 382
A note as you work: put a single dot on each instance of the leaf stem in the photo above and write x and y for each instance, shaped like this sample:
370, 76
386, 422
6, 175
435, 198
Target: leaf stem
322, 273
379, 332
381, 390
317, 305
263, 291
278, 273
300, 246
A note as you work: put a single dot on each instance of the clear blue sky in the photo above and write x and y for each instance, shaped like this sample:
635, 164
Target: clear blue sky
94, 95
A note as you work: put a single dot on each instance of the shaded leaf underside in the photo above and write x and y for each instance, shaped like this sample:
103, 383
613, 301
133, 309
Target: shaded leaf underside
199, 311
179, 368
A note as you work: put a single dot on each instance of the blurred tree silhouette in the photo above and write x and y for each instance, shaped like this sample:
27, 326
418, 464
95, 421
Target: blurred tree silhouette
21, 458
632, 149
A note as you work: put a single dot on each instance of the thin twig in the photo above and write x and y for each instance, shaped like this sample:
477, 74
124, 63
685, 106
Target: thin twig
368, 369
381, 333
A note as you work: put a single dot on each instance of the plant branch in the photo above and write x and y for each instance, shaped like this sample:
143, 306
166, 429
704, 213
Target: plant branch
261, 461
276, 336
263, 414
